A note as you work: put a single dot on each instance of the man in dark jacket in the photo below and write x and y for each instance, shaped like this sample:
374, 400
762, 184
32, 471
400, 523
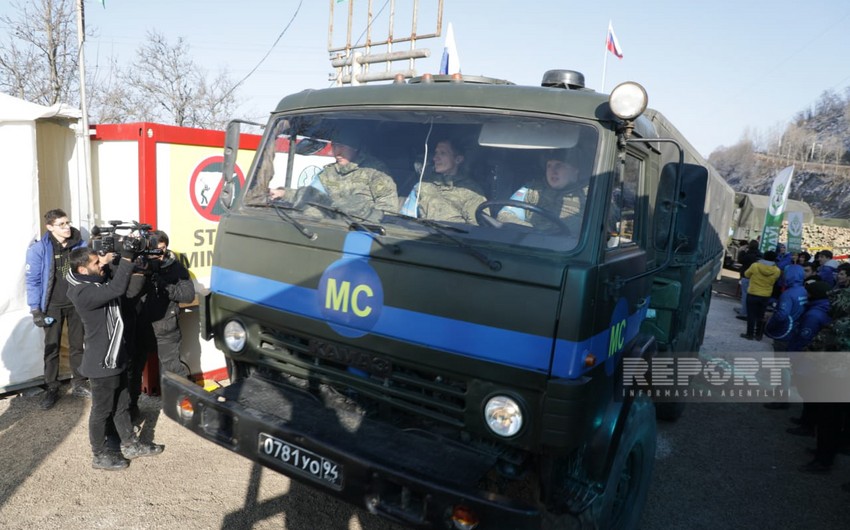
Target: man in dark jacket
747, 258
168, 285
47, 288
104, 360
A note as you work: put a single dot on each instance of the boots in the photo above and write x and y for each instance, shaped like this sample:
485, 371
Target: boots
109, 461
136, 449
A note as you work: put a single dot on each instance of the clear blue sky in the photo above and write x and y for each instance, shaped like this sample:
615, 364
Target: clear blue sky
713, 68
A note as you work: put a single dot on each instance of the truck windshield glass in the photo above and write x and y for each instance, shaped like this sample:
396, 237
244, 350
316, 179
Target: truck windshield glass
501, 180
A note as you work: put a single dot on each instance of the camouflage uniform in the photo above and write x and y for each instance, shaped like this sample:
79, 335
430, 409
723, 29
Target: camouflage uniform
568, 203
359, 187
445, 198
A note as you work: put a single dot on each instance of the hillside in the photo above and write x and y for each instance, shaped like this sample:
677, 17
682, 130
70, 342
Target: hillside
817, 143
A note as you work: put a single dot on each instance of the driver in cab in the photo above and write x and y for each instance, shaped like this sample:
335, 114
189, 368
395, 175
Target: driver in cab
355, 182
562, 192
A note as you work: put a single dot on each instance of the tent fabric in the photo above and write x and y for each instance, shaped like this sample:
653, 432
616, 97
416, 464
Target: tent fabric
751, 210
22, 351
13, 109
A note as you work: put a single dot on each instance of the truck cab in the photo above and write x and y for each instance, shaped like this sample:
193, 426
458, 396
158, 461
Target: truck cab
442, 349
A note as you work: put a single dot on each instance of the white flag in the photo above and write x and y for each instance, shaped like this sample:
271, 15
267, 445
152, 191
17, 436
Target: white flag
451, 62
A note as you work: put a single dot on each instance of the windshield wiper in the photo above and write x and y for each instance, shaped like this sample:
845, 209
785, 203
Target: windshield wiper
373, 230
444, 230
280, 208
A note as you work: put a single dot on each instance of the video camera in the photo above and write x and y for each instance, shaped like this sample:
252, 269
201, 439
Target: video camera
137, 238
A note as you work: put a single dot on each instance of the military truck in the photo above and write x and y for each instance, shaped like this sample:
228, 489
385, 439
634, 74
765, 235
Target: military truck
463, 372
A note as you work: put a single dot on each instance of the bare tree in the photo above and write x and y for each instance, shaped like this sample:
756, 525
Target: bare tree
165, 85
39, 59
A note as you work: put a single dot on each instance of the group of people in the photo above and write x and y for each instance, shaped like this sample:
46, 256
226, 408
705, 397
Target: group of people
118, 307
811, 322
445, 191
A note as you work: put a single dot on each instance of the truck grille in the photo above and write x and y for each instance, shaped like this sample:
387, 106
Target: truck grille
382, 380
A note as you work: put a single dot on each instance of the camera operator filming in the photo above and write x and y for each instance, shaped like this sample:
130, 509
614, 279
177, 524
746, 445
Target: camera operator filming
105, 356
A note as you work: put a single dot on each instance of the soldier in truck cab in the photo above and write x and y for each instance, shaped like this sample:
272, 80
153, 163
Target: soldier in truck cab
446, 192
561, 191
355, 182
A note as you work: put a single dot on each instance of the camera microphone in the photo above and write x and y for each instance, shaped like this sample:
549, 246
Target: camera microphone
95, 231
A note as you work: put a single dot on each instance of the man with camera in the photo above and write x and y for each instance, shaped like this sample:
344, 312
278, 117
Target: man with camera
104, 361
168, 285
47, 286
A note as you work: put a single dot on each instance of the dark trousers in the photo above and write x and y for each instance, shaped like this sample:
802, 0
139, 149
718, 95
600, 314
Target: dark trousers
53, 339
169, 358
109, 402
829, 418
135, 367
756, 307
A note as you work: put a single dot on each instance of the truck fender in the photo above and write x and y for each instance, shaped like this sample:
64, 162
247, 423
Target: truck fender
604, 442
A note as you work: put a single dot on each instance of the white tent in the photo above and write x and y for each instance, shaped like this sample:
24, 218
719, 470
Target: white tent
47, 169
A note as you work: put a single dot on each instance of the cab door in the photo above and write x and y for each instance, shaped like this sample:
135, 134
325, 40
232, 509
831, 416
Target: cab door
622, 303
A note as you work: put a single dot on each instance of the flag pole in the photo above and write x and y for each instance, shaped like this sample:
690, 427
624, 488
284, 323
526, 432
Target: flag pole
605, 59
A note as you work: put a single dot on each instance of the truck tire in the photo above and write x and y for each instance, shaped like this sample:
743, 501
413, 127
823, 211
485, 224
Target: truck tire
624, 495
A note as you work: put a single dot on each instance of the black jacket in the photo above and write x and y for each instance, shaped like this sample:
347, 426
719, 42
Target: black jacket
168, 285
91, 296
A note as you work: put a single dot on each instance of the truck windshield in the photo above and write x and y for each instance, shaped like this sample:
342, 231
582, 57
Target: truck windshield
496, 179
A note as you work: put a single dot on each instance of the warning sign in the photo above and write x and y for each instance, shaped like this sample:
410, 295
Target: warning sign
205, 187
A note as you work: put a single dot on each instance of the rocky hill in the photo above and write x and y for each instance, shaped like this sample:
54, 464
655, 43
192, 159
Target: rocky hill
817, 143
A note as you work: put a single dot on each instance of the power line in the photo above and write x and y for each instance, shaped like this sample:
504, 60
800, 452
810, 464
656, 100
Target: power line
249, 74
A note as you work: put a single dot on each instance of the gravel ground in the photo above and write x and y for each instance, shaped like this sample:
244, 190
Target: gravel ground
47, 480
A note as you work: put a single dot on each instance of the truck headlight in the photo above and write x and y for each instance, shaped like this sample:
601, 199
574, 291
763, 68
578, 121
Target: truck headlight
235, 336
503, 415
628, 100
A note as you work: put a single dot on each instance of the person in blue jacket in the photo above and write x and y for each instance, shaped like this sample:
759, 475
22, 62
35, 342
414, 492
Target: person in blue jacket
792, 304
46, 280
827, 268
814, 318
783, 257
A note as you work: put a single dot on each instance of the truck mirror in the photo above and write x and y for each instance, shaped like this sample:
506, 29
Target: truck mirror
231, 148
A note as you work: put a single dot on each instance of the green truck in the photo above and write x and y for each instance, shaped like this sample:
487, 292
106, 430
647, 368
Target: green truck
463, 372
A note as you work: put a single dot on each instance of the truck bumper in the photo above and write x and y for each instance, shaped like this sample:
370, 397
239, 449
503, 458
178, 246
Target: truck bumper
412, 477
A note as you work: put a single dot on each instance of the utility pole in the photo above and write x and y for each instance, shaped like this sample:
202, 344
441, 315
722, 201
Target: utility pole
83, 138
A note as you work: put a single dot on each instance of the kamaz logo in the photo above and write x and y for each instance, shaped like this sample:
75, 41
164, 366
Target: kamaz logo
341, 297
372, 364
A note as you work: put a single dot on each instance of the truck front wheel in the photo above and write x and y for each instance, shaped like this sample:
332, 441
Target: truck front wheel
624, 495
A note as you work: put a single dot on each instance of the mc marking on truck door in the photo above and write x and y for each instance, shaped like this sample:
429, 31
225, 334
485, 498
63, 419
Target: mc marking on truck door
619, 331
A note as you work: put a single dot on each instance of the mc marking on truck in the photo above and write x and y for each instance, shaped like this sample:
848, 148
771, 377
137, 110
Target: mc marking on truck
337, 298
351, 296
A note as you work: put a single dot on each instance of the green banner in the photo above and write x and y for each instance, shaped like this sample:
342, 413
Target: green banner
795, 231
775, 209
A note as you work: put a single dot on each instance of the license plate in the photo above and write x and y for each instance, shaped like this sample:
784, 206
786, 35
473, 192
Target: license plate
301, 461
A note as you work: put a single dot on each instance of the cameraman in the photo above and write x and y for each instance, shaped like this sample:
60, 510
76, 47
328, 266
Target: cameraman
104, 358
168, 285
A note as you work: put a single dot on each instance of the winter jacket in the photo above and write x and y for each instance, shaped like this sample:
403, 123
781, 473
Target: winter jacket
747, 258
168, 285
783, 260
40, 269
93, 296
813, 319
762, 274
827, 272
792, 304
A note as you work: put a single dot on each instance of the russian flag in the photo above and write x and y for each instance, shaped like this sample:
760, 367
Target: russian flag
450, 64
612, 43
